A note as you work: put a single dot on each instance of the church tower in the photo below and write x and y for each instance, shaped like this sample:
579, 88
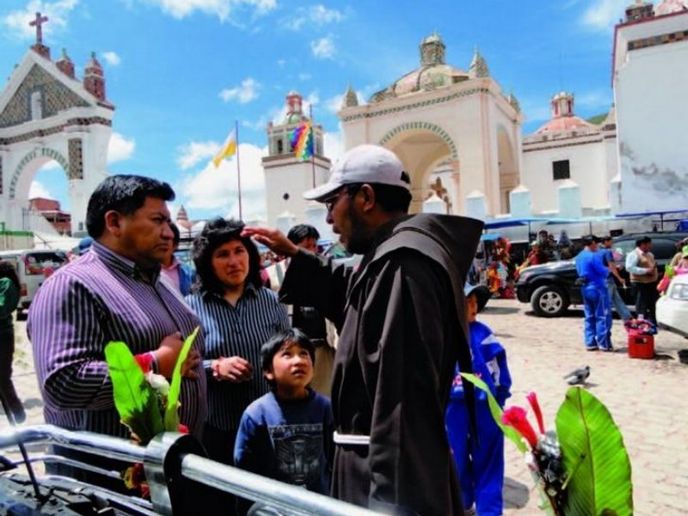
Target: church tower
94, 79
287, 177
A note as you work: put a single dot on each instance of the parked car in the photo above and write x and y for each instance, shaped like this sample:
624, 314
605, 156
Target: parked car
33, 267
550, 288
672, 307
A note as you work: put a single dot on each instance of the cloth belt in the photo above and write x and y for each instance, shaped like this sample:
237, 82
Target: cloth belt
355, 439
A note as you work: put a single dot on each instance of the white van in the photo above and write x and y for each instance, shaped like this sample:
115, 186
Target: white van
33, 267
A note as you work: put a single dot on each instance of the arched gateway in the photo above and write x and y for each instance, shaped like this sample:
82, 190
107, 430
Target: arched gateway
442, 120
47, 114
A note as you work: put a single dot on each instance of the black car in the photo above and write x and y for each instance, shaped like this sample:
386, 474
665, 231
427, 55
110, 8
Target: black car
550, 288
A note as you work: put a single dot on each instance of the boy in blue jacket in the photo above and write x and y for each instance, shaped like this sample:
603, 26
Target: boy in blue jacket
287, 433
479, 462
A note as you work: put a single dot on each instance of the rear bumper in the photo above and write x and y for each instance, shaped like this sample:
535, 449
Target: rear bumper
672, 314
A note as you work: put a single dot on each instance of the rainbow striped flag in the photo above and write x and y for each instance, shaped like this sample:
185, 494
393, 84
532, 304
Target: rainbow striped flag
302, 141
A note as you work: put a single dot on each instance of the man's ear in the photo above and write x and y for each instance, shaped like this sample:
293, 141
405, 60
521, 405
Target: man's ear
368, 198
113, 222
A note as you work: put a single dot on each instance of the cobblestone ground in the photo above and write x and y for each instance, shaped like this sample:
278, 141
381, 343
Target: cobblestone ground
646, 398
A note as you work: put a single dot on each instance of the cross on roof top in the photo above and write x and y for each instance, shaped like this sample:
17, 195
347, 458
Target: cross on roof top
40, 20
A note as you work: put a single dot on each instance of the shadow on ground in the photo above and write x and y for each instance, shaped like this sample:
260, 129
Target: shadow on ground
516, 494
501, 309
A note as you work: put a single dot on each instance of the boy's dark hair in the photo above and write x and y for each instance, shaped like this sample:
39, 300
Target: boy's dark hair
301, 232
643, 240
123, 193
589, 239
217, 232
275, 343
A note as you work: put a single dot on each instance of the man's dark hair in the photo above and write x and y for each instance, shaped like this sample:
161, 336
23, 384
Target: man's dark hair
643, 240
301, 232
606, 238
392, 199
217, 232
589, 239
7, 270
177, 236
125, 194
275, 343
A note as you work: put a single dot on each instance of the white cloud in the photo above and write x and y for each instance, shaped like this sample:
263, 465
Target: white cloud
195, 152
216, 188
281, 62
57, 12
323, 48
603, 14
221, 8
112, 58
593, 99
120, 148
39, 190
304, 76
244, 93
334, 146
318, 15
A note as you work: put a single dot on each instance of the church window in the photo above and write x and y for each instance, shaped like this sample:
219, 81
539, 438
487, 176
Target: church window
36, 106
560, 170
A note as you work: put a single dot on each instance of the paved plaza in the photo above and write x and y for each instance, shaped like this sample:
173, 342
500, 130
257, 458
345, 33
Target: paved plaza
645, 398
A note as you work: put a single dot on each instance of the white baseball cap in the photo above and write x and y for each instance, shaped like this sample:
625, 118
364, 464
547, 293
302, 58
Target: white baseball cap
362, 164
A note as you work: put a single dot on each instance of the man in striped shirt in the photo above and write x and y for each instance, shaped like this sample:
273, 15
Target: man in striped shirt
113, 292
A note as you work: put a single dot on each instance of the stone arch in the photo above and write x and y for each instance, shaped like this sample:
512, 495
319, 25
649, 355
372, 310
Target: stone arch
43, 154
507, 164
421, 126
422, 147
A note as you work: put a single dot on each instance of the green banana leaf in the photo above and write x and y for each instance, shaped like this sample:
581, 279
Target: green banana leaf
595, 459
135, 400
171, 413
497, 412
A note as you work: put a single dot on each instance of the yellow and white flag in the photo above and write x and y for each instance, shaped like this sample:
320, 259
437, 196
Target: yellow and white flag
227, 150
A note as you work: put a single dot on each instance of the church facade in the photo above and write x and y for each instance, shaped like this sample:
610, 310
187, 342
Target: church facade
46, 114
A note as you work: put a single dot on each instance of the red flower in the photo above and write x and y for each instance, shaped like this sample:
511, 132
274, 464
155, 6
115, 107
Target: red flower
182, 429
516, 418
532, 399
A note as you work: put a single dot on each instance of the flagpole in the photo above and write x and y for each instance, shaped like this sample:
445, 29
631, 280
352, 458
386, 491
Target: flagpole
236, 131
310, 114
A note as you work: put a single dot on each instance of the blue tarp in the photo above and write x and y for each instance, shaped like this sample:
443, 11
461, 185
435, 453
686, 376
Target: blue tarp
682, 225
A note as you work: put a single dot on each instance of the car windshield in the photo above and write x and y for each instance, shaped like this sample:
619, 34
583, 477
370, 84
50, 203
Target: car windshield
44, 262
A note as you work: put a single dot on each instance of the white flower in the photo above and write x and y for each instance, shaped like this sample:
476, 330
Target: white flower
158, 382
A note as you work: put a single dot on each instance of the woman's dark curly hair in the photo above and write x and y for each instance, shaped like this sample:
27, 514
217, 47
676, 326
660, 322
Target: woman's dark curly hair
7, 270
217, 232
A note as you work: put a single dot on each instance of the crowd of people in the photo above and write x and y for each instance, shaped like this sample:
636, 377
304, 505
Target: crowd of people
376, 433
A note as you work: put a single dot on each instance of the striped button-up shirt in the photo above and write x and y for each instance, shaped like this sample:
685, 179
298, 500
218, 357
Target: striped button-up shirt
100, 297
231, 331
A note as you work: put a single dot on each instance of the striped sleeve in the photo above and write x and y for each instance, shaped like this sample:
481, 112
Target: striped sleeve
67, 343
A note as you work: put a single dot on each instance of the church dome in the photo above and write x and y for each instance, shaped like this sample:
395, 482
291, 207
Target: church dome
671, 6
563, 119
433, 72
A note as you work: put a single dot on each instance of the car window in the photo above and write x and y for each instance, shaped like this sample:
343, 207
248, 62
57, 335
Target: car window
337, 251
626, 246
663, 249
40, 263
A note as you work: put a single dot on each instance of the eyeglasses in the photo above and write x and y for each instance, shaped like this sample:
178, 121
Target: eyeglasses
350, 190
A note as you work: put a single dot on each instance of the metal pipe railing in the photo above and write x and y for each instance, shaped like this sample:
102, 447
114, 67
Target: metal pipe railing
290, 500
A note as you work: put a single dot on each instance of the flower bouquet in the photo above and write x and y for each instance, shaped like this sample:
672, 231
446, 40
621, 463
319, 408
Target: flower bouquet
147, 404
583, 468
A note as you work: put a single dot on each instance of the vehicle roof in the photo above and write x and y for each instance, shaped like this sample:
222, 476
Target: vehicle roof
656, 234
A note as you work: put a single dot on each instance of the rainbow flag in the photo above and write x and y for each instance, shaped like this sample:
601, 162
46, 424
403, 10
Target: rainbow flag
302, 141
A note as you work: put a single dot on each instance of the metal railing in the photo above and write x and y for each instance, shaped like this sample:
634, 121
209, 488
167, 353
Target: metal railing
171, 462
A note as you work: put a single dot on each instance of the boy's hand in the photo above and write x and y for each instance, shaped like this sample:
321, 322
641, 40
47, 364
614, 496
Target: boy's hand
232, 369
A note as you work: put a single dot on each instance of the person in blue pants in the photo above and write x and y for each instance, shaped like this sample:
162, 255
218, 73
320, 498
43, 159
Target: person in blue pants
479, 459
592, 273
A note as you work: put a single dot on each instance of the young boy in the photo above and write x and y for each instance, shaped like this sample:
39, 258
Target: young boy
480, 463
287, 433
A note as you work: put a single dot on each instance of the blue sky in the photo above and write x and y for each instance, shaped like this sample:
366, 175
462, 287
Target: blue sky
180, 72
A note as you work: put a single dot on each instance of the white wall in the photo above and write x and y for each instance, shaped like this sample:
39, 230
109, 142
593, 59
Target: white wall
588, 165
652, 113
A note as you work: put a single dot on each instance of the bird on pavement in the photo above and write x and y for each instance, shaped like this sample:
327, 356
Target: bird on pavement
578, 376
